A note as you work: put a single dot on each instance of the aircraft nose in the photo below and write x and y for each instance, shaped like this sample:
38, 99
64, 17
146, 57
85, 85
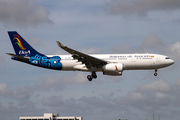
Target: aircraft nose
172, 62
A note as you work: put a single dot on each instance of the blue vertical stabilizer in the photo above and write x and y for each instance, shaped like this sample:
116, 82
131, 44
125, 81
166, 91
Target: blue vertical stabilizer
21, 47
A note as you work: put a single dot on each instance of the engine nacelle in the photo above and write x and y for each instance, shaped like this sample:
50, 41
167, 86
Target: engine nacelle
114, 69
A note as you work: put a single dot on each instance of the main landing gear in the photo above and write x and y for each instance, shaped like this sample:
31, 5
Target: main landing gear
93, 75
155, 74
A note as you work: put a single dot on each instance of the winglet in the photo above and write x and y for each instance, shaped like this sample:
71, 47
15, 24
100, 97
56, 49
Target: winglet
60, 44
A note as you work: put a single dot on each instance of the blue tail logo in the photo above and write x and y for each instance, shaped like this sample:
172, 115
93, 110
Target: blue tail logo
19, 42
21, 47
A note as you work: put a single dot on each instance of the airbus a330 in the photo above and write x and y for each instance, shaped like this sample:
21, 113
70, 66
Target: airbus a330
108, 64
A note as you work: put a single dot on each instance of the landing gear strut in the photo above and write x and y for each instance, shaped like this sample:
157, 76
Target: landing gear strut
93, 75
155, 74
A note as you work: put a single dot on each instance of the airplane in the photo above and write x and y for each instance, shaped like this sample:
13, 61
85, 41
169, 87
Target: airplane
108, 64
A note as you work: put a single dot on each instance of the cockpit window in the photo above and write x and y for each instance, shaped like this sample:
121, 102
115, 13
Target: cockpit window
167, 58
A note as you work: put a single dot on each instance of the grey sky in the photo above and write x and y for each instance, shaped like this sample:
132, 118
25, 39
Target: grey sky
141, 7
114, 26
23, 13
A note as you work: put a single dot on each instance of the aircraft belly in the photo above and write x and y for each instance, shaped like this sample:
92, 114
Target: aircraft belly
140, 65
81, 67
69, 64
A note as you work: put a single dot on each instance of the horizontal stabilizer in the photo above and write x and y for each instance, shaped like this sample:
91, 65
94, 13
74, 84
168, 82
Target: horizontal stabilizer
25, 59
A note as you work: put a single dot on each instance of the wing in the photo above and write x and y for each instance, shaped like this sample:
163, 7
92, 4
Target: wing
88, 60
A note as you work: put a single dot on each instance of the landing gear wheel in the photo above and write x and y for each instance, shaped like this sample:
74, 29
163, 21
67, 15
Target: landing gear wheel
155, 74
94, 75
89, 77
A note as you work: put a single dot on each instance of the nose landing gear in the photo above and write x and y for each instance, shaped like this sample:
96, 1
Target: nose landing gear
155, 74
93, 75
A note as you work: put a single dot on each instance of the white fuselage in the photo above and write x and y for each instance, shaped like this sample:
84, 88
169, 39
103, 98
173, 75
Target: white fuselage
129, 61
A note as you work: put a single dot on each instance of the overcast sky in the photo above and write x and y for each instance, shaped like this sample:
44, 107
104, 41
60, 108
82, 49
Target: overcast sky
91, 26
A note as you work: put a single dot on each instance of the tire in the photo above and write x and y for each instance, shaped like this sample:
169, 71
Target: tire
89, 78
155, 74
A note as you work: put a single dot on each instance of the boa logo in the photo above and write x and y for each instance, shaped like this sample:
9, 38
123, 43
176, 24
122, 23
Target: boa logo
19, 42
24, 52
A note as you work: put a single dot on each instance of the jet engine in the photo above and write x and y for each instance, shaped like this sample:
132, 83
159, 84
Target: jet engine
114, 69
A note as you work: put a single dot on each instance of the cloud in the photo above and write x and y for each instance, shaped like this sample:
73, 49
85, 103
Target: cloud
23, 92
3, 89
19, 93
150, 98
140, 7
61, 82
122, 49
53, 82
160, 86
82, 106
177, 83
23, 108
57, 83
77, 78
86, 51
22, 13
152, 43
174, 50
90, 51
35, 42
